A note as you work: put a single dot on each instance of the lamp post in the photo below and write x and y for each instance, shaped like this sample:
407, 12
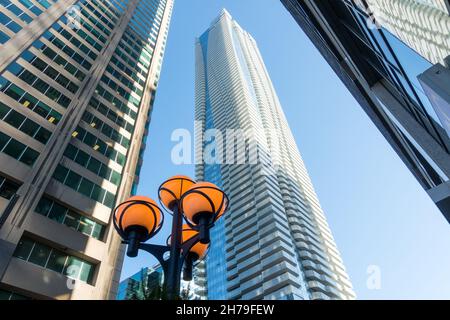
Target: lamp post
194, 207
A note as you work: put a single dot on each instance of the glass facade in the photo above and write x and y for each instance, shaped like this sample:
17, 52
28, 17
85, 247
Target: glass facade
388, 47
143, 285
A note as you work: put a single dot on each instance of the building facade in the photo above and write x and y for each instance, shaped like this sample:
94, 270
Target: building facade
77, 84
147, 284
274, 242
422, 25
393, 57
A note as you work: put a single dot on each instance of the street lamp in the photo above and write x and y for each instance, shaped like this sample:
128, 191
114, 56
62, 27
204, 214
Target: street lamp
199, 205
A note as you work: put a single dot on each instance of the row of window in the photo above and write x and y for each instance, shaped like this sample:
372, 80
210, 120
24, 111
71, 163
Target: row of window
80, 32
53, 259
111, 115
99, 145
95, 166
102, 5
52, 55
9, 295
31, 6
141, 56
122, 78
84, 186
90, 28
9, 23
132, 73
101, 126
51, 72
28, 101
95, 22
71, 53
100, 15
24, 124
59, 213
39, 84
7, 188
139, 47
111, 7
16, 10
131, 62
3, 37
121, 91
105, 94
17, 150
136, 41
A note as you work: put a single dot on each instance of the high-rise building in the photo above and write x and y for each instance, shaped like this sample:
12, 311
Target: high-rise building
274, 243
77, 84
147, 284
423, 25
393, 56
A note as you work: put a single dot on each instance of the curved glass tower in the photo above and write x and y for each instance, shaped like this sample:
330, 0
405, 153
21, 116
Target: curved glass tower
274, 243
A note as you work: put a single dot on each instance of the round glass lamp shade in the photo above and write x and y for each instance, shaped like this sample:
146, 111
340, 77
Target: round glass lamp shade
171, 191
204, 199
199, 249
139, 214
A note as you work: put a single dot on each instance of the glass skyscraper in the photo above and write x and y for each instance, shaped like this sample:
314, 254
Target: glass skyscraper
394, 57
77, 84
274, 243
147, 284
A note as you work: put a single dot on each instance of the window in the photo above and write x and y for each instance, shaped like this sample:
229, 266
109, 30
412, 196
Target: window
9, 295
82, 158
14, 118
7, 188
83, 185
56, 261
23, 249
73, 180
39, 255
14, 149
60, 173
17, 150
61, 214
29, 156
53, 259
57, 212
25, 125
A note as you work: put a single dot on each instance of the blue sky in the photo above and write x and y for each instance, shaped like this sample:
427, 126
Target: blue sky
378, 213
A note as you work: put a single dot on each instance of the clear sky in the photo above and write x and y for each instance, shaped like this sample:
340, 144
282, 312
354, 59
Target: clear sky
378, 213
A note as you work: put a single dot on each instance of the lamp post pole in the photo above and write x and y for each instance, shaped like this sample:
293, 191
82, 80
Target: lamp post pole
173, 280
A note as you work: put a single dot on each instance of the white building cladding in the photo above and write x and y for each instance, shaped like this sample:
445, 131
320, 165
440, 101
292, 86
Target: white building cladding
274, 243
424, 25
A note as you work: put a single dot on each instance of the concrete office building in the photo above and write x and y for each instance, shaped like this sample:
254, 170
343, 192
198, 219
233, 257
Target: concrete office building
77, 85
399, 74
274, 243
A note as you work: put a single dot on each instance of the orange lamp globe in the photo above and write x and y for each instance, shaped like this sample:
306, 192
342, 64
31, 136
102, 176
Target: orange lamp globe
138, 213
199, 249
204, 199
171, 191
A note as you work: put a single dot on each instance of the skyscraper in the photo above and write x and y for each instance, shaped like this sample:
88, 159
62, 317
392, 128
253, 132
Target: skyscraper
422, 25
395, 61
274, 243
77, 85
